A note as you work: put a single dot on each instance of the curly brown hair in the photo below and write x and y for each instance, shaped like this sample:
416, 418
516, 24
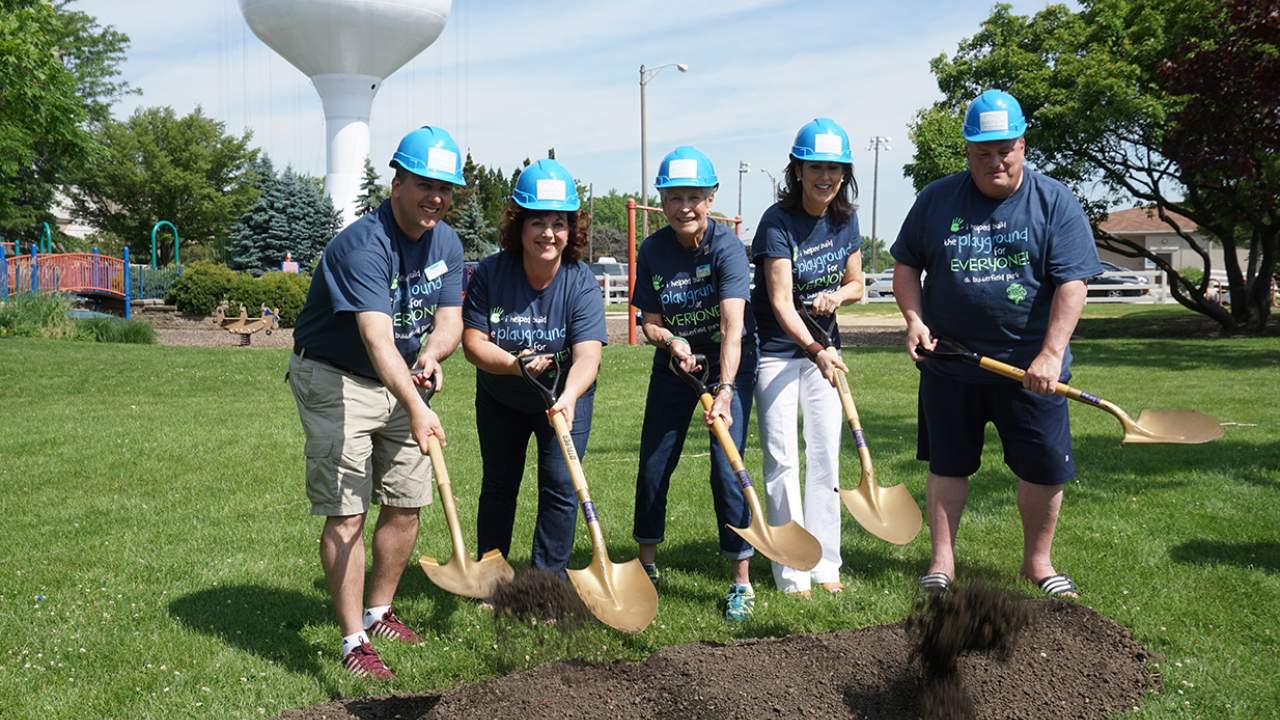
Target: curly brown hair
513, 218
791, 196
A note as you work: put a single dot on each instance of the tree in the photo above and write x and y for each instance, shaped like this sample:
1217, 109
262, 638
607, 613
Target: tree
157, 166
292, 215
474, 230
1100, 89
372, 190
58, 77
875, 247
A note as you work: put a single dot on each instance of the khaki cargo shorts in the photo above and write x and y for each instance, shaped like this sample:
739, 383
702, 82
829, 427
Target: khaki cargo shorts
359, 448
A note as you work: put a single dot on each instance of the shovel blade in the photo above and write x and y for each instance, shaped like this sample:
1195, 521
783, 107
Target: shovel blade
1183, 427
889, 513
462, 576
787, 544
620, 595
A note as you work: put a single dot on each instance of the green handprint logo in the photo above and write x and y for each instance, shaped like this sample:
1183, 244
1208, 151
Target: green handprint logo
956, 224
495, 315
657, 283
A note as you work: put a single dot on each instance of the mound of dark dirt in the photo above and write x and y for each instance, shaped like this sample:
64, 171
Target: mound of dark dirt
1052, 659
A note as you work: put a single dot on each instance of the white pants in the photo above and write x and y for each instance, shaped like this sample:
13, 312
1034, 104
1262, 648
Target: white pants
784, 384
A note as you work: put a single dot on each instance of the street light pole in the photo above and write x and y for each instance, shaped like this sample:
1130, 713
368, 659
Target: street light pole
743, 169
773, 180
876, 143
647, 74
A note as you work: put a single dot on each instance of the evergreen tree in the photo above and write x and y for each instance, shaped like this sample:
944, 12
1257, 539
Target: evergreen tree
474, 230
372, 190
293, 216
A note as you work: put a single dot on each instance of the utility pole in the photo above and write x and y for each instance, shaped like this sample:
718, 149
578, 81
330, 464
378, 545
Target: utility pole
743, 169
591, 212
877, 143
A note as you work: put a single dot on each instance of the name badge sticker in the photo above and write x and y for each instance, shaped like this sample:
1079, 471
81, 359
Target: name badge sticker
436, 269
703, 271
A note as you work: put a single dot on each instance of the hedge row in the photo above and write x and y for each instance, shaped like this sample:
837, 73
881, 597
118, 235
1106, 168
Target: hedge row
204, 284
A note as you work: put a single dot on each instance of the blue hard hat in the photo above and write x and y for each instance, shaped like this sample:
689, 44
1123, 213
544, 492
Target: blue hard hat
430, 152
822, 140
686, 166
546, 185
994, 115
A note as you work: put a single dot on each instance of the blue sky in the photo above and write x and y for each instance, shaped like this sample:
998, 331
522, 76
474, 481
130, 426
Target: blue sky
510, 80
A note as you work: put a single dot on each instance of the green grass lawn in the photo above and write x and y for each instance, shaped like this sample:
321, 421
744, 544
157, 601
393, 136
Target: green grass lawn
161, 561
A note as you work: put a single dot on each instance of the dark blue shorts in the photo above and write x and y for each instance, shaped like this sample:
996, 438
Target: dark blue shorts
1034, 429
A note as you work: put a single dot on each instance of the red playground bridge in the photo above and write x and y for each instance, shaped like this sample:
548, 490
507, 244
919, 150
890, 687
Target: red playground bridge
90, 274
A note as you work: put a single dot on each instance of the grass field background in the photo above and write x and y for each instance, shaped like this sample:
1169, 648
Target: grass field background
160, 561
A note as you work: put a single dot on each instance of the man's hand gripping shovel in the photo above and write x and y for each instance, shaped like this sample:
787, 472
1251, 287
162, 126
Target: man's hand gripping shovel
461, 575
889, 513
620, 595
789, 543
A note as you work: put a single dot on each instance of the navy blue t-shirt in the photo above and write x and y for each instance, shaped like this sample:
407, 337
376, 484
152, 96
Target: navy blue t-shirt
373, 266
992, 266
686, 286
516, 317
818, 252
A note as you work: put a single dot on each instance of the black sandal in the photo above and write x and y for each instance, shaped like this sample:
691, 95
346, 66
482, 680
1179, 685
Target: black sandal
935, 582
1059, 586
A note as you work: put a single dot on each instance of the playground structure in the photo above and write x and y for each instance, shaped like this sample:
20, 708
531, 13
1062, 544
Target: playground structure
632, 207
243, 326
90, 274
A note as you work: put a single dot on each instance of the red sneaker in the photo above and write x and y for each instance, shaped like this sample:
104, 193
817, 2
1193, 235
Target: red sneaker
363, 661
391, 627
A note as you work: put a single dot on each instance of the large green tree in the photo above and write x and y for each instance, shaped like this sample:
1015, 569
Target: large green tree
1102, 114
158, 166
372, 190
59, 74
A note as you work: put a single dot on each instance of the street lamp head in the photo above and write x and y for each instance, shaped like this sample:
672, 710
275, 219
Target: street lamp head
682, 67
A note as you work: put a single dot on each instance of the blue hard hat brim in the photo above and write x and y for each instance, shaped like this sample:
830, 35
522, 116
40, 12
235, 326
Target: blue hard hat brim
451, 178
686, 182
995, 135
822, 157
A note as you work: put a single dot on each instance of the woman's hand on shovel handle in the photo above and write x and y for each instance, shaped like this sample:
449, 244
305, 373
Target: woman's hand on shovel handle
829, 363
721, 407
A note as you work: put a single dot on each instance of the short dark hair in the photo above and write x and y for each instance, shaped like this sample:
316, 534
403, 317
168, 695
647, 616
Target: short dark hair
513, 217
791, 196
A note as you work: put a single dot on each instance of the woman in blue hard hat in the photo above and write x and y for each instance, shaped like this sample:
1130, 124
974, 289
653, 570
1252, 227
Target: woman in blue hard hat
692, 287
534, 296
806, 249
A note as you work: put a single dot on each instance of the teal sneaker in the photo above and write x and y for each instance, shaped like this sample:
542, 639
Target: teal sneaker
739, 603
651, 569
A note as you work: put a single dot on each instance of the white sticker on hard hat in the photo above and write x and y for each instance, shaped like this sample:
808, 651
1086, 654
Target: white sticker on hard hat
994, 120
442, 160
551, 190
829, 143
682, 169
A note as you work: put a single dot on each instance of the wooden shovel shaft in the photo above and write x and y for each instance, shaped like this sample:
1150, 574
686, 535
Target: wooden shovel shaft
731, 453
598, 549
446, 495
1065, 391
855, 425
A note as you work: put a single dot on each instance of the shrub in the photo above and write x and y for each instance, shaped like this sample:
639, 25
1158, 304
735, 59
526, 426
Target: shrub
286, 291
29, 315
201, 287
114, 330
1192, 275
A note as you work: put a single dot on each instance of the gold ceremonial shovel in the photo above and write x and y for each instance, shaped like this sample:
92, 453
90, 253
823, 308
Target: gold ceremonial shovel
788, 543
461, 575
620, 595
1185, 427
889, 513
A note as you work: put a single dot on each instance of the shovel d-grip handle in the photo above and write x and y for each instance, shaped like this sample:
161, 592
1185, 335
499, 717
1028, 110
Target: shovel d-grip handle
959, 353
697, 382
822, 334
549, 392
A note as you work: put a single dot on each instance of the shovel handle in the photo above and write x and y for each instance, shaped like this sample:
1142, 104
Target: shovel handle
958, 352
599, 553
443, 486
549, 392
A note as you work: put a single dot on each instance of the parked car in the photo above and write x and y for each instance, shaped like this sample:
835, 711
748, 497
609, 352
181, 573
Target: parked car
607, 267
880, 287
1098, 284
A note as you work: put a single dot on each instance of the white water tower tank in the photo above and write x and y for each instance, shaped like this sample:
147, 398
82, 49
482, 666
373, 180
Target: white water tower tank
347, 48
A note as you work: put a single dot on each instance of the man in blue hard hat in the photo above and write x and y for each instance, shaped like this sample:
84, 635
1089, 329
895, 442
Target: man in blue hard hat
1004, 252
383, 311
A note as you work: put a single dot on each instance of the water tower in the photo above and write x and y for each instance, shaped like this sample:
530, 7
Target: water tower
347, 48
